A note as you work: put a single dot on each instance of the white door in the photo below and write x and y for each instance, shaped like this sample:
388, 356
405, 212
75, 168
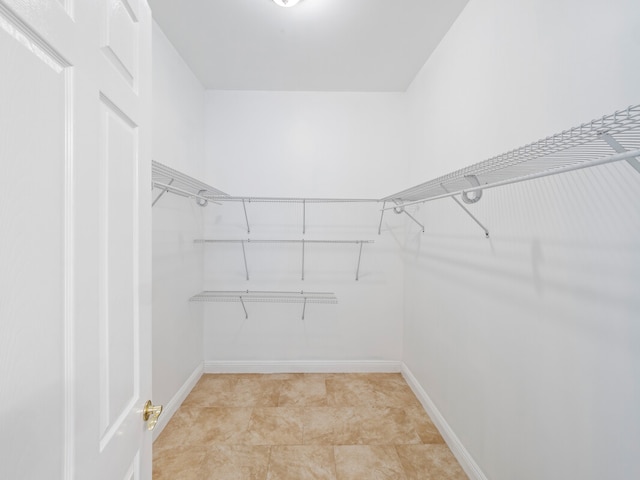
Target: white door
74, 239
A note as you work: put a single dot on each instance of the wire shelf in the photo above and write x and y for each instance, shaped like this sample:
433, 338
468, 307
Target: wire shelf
590, 144
302, 242
247, 296
264, 296
169, 180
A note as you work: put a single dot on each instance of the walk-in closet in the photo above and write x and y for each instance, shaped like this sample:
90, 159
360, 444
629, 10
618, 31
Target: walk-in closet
320, 239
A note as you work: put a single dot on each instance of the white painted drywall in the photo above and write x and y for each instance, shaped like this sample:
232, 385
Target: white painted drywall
308, 145
529, 343
178, 141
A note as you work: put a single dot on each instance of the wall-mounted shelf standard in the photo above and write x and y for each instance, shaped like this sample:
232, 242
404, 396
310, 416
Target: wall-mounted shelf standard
167, 179
247, 296
612, 138
302, 242
302, 201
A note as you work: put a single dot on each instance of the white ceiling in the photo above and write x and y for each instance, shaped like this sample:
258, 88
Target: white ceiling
318, 45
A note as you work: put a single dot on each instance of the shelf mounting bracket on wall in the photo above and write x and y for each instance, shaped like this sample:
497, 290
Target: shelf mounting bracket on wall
246, 218
169, 180
359, 258
303, 259
244, 255
400, 209
486, 232
246, 314
613, 143
381, 217
164, 190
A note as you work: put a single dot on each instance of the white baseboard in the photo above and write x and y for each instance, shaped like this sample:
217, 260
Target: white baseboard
310, 366
172, 407
465, 459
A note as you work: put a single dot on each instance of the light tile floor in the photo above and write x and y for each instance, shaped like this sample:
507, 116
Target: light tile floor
302, 427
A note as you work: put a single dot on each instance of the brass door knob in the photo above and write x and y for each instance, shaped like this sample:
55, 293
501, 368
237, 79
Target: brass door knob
150, 414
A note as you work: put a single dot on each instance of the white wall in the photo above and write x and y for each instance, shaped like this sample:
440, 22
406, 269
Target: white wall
529, 343
178, 141
306, 145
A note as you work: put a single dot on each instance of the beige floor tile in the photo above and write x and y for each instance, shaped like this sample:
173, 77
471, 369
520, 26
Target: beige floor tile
275, 426
319, 425
212, 391
236, 462
370, 462
302, 463
429, 462
175, 434
303, 391
392, 392
395, 378
351, 390
423, 425
252, 392
185, 463
219, 426
232, 424
373, 426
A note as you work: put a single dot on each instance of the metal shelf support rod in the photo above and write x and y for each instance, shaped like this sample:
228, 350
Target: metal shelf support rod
304, 217
304, 307
246, 219
359, 258
246, 315
413, 218
183, 193
381, 215
303, 266
613, 143
570, 168
165, 190
486, 232
244, 255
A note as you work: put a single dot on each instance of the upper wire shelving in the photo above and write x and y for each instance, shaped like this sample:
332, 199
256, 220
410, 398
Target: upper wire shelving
167, 179
296, 200
611, 138
302, 242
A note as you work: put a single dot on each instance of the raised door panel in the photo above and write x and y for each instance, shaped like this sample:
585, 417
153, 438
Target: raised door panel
118, 236
120, 38
35, 320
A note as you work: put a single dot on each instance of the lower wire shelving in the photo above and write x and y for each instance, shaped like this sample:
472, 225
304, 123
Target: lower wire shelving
257, 296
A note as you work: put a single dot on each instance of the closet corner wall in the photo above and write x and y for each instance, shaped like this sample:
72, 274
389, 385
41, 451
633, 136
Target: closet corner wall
178, 141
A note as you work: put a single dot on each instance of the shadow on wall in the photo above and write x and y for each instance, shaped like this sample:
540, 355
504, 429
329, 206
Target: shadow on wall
565, 247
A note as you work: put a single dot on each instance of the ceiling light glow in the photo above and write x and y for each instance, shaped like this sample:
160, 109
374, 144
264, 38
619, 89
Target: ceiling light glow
286, 3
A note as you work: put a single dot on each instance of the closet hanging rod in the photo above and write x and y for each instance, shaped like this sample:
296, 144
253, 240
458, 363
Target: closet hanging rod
290, 199
570, 168
248, 240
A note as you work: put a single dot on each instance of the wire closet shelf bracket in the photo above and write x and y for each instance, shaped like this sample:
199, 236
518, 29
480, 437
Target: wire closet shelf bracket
167, 179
